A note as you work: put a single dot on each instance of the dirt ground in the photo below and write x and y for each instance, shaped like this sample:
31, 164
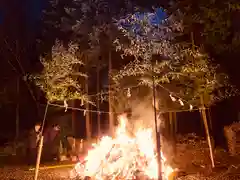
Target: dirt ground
193, 161
23, 173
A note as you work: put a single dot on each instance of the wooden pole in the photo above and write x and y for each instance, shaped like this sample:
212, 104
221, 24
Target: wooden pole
40, 144
38, 158
204, 117
111, 122
158, 136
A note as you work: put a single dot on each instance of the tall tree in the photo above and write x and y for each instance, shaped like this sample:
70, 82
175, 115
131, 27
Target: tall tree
215, 26
188, 70
89, 23
61, 78
214, 23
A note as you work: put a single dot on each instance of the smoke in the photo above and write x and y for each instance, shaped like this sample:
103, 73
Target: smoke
142, 116
142, 113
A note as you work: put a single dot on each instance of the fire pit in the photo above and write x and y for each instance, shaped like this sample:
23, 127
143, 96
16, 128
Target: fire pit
123, 157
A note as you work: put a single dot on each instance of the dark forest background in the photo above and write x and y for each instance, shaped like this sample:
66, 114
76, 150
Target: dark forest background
22, 42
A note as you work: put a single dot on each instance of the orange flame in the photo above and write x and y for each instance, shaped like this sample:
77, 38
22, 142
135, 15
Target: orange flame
121, 156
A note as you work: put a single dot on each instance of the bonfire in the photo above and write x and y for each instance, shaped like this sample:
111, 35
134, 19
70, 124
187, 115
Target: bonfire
123, 157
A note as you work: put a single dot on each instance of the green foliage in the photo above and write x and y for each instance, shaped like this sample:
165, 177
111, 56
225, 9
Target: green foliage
86, 22
213, 23
190, 77
188, 72
146, 38
61, 78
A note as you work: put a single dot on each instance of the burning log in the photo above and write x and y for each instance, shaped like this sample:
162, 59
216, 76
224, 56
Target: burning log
123, 157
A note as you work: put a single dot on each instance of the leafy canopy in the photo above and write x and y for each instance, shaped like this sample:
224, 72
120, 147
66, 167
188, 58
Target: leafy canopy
187, 71
61, 78
214, 23
148, 34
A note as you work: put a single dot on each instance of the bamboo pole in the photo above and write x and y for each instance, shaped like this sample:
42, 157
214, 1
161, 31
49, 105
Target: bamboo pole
40, 144
158, 136
204, 117
38, 158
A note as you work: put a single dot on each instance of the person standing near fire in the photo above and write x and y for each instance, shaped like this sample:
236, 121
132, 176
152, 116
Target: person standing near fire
33, 140
51, 142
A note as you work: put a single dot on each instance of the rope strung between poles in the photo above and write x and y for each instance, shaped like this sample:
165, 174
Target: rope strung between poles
174, 97
107, 112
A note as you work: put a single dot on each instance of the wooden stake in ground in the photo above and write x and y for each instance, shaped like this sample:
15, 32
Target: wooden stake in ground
40, 144
204, 116
38, 157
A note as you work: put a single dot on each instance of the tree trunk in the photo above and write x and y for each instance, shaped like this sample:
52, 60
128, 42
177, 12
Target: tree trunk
17, 112
111, 120
86, 112
73, 119
210, 118
88, 126
17, 118
171, 123
98, 105
175, 122
172, 119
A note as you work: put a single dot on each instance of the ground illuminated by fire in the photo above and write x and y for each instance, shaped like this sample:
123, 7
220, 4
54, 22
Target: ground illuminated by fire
123, 157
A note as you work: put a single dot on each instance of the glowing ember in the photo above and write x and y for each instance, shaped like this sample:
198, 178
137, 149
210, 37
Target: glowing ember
123, 157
